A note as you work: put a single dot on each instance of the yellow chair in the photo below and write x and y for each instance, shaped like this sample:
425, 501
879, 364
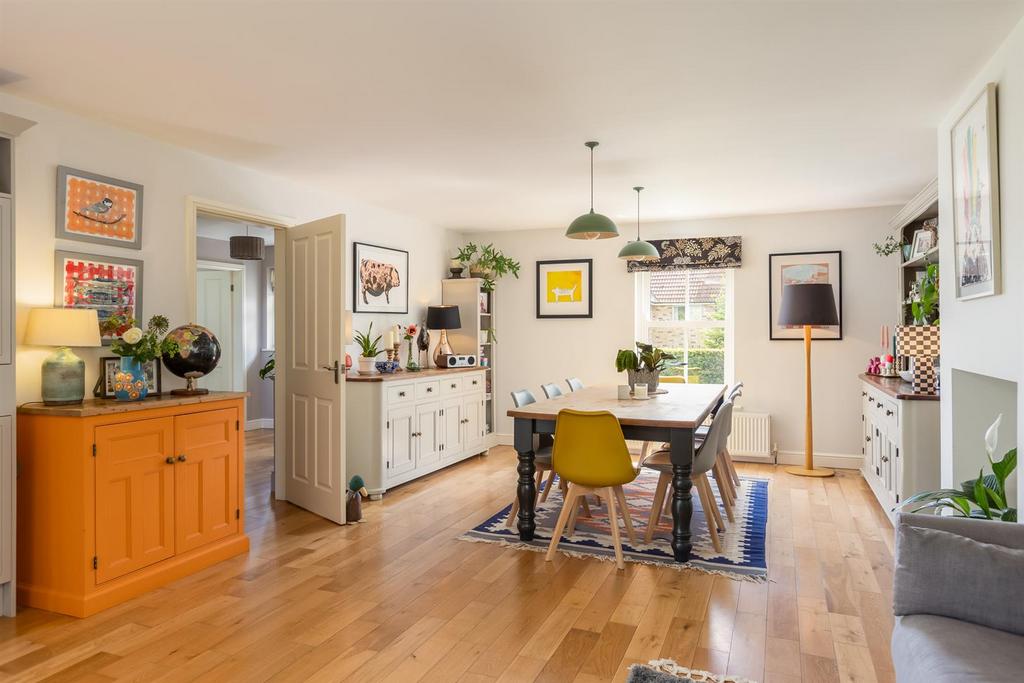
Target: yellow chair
590, 454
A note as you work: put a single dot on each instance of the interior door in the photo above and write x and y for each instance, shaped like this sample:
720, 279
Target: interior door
214, 311
313, 367
205, 477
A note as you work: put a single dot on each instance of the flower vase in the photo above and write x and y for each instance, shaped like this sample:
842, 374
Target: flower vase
410, 364
130, 381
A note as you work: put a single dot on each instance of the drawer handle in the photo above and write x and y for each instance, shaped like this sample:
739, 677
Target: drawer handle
181, 458
454, 385
430, 390
474, 383
401, 393
169, 460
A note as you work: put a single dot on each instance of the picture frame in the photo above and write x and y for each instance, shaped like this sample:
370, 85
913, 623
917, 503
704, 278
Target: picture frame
974, 162
380, 279
98, 209
922, 242
109, 284
565, 289
111, 364
804, 266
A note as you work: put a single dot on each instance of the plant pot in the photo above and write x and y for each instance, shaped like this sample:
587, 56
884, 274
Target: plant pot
366, 366
648, 377
478, 273
130, 381
907, 251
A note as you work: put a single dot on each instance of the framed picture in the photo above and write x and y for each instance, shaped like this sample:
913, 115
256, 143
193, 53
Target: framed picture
95, 208
484, 303
924, 240
109, 365
804, 267
381, 279
975, 165
109, 284
565, 288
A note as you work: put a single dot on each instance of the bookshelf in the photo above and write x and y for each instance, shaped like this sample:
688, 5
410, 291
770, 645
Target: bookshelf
476, 310
919, 212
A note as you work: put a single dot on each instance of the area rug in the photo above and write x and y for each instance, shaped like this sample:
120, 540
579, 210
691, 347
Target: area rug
743, 555
667, 671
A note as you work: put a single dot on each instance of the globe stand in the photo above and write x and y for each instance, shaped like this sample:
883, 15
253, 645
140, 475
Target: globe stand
190, 389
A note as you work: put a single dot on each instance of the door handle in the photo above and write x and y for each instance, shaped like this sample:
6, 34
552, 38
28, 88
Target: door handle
334, 369
181, 458
169, 460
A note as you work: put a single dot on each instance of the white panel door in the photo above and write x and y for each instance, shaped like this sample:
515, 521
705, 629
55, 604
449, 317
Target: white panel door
6, 283
428, 432
314, 351
214, 312
472, 412
451, 419
6, 498
401, 446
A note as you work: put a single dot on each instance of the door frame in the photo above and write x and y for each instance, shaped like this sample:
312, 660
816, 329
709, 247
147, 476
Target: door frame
193, 207
237, 271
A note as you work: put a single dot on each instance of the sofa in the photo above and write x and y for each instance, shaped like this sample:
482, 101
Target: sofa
958, 597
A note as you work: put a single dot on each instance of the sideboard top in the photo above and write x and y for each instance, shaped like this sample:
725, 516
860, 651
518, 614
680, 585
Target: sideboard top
104, 406
409, 376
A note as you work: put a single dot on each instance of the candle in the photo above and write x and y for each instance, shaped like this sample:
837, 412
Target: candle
391, 337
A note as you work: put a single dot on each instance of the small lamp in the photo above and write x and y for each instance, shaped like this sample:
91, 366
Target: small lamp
812, 304
443, 318
63, 371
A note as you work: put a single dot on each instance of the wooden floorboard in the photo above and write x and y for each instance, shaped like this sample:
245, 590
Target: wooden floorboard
398, 598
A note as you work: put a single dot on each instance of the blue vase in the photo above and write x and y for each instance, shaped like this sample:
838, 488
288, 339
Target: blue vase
130, 381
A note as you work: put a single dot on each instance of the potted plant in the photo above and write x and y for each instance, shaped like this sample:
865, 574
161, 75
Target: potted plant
488, 264
136, 347
925, 304
369, 349
644, 365
891, 245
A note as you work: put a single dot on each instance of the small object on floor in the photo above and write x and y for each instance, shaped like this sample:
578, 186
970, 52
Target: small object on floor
667, 671
354, 500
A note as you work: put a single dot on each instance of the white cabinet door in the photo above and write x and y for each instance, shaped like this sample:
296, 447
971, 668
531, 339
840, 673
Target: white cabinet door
401, 450
472, 414
6, 498
428, 434
6, 283
451, 420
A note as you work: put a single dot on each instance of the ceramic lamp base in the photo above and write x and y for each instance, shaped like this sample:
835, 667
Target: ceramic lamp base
63, 378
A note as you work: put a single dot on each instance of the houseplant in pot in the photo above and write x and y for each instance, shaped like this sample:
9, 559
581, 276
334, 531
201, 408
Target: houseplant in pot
136, 347
487, 263
644, 365
369, 349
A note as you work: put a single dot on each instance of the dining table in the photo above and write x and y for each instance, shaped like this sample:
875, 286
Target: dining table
672, 416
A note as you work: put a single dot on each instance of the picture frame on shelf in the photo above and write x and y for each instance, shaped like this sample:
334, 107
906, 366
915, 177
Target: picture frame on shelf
98, 209
380, 279
804, 267
109, 365
565, 288
109, 284
922, 243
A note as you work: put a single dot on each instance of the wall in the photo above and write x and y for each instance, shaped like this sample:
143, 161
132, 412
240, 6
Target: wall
983, 336
533, 351
169, 174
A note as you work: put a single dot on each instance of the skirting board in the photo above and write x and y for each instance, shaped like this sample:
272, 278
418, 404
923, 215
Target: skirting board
259, 423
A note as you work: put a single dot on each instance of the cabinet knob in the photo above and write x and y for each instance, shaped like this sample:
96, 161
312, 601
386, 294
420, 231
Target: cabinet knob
863, 393
181, 458
888, 412
885, 458
430, 390
867, 438
454, 385
401, 393
474, 383
169, 460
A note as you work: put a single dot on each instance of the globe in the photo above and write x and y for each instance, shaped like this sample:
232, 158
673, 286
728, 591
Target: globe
198, 354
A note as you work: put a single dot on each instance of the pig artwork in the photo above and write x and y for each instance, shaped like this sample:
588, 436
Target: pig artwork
376, 278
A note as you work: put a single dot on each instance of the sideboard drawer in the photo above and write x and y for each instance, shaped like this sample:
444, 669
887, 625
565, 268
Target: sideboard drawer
428, 390
451, 386
400, 392
473, 383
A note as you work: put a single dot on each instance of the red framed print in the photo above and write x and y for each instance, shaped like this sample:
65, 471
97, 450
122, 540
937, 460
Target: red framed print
111, 285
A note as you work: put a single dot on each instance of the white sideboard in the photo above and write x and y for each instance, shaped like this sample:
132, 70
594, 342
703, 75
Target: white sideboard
400, 427
901, 440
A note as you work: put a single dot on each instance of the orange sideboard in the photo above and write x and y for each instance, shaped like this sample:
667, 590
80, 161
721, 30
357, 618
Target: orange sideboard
115, 499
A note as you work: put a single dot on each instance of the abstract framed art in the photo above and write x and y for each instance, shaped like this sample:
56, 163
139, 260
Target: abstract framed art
800, 268
381, 279
974, 148
565, 288
109, 284
98, 209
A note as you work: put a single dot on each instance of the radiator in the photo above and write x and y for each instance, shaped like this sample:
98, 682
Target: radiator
751, 437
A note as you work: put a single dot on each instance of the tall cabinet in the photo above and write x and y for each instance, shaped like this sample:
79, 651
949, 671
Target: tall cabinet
476, 336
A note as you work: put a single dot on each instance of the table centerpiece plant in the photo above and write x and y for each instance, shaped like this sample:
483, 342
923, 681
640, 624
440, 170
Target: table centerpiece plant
644, 365
137, 347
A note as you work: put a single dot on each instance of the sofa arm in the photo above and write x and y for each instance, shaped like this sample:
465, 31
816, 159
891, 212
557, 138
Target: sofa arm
1006, 534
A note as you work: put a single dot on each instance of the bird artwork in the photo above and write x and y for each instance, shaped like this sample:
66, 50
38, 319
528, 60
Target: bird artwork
100, 208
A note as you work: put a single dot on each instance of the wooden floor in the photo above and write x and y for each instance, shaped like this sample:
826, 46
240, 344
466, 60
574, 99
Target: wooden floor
397, 598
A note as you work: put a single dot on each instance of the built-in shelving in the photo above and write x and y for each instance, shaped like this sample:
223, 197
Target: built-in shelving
924, 207
476, 310
930, 256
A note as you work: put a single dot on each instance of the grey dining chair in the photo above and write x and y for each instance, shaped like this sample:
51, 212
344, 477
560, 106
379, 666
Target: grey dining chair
575, 383
541, 460
551, 390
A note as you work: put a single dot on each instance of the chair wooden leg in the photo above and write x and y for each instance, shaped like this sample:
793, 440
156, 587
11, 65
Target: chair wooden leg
548, 485
723, 469
571, 529
585, 505
732, 467
723, 481
627, 519
536, 486
707, 500
659, 500
669, 494
514, 511
614, 523
563, 517
715, 510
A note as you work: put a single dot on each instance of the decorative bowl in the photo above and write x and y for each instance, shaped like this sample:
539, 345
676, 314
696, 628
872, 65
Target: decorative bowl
387, 367
907, 375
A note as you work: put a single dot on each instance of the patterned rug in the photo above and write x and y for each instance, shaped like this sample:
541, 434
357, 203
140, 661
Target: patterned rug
743, 553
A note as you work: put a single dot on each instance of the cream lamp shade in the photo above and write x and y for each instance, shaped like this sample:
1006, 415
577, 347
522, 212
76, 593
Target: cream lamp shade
63, 327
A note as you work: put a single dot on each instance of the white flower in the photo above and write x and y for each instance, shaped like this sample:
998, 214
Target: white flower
132, 335
992, 437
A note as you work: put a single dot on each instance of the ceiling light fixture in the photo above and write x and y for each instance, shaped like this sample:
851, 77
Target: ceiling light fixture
638, 250
246, 247
592, 226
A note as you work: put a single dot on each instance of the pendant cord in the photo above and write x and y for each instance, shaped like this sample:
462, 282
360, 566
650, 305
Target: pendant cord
591, 180
638, 215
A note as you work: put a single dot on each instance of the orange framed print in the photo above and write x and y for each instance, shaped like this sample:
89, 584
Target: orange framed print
98, 209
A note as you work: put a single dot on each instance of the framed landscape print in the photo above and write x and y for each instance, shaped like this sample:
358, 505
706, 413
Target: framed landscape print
975, 165
95, 208
799, 268
565, 288
109, 365
381, 279
111, 285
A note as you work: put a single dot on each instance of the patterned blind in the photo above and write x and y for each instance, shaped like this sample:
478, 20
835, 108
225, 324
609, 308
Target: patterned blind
693, 252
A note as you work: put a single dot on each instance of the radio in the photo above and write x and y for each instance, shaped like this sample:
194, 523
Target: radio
460, 360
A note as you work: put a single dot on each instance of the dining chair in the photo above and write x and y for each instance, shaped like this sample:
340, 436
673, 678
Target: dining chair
703, 462
551, 390
575, 383
541, 461
590, 453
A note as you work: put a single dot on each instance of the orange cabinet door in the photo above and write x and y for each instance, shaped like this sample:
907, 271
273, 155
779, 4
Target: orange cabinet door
134, 496
206, 477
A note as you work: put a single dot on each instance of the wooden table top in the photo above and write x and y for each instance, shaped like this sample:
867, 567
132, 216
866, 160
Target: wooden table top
685, 405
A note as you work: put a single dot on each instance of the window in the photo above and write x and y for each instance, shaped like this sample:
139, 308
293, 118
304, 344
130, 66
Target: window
689, 314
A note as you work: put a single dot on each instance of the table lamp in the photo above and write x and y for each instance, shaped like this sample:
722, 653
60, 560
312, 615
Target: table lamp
809, 305
443, 318
63, 371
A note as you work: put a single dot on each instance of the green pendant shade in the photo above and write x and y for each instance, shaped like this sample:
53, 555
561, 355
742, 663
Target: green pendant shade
638, 250
592, 226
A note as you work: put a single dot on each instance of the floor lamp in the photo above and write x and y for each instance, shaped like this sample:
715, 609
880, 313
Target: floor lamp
808, 305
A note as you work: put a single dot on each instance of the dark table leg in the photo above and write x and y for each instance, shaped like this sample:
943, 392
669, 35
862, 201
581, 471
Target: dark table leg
527, 490
681, 441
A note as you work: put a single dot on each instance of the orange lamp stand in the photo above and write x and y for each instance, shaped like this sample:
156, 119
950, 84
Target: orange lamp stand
809, 470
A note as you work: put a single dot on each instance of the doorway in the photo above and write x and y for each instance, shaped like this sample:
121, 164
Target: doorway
220, 306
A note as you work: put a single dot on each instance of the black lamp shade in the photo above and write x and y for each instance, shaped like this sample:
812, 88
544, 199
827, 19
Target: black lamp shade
246, 247
443, 318
808, 304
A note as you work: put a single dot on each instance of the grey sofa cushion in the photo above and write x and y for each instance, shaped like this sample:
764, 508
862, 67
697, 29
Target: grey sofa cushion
930, 649
944, 574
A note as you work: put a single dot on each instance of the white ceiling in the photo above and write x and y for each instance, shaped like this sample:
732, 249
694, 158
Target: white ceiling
217, 228
472, 115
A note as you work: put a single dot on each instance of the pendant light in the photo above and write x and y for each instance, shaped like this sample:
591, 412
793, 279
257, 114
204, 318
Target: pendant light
638, 250
592, 226
246, 247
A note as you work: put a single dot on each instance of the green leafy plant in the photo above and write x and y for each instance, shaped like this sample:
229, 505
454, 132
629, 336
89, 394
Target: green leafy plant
924, 309
981, 498
142, 345
646, 357
489, 261
890, 245
268, 369
368, 345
